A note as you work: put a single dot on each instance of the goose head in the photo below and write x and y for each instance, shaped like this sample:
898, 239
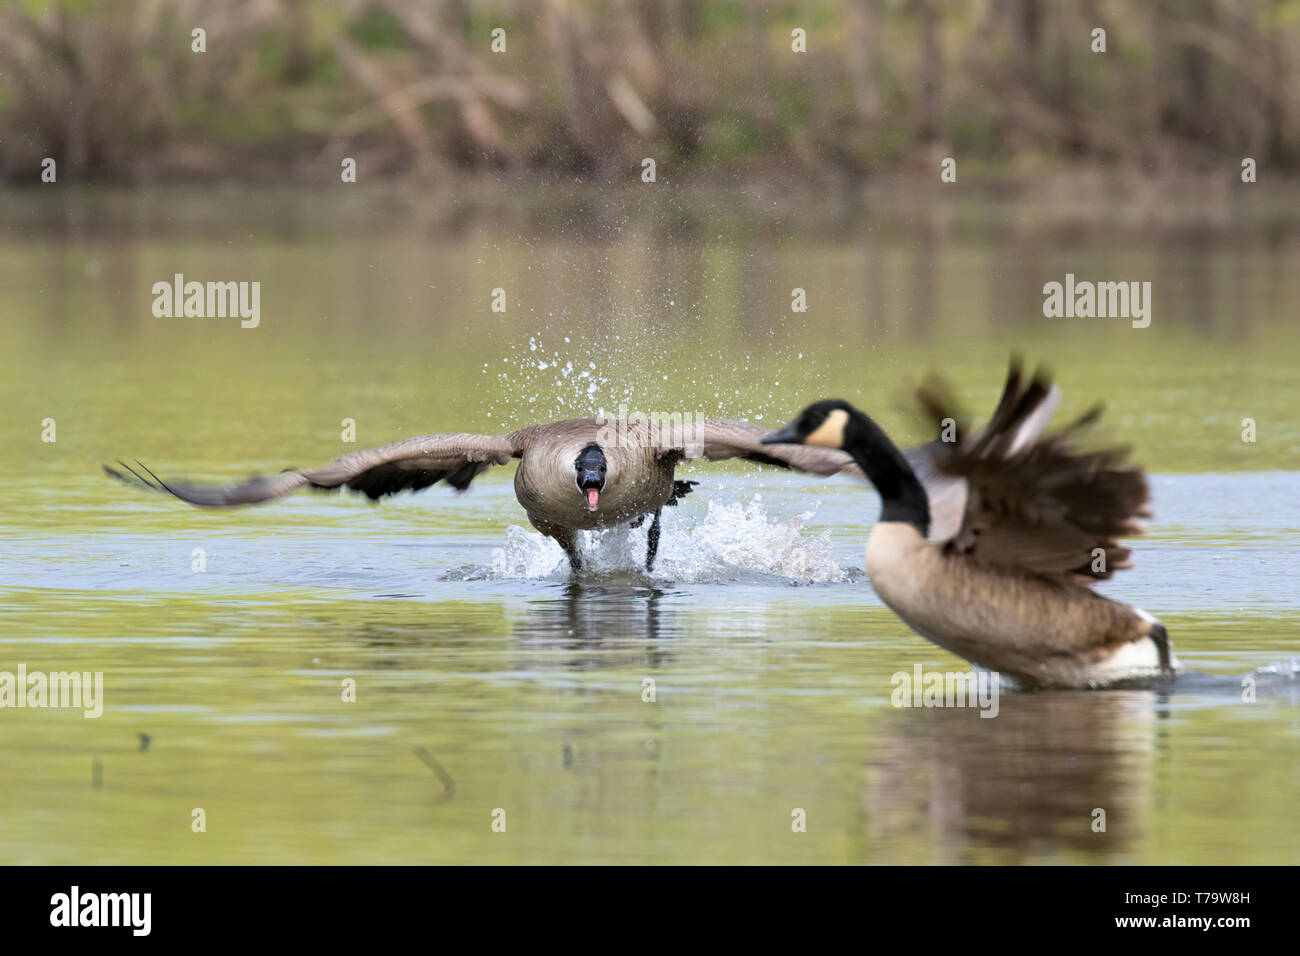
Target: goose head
821, 423
590, 466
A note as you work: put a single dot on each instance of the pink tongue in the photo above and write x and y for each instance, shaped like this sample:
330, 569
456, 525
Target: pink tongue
593, 495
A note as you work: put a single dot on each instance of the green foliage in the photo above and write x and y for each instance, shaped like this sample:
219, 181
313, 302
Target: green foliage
977, 134
377, 29
730, 136
723, 17
880, 81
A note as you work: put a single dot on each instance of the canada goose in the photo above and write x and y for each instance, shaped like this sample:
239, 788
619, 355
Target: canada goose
573, 475
991, 552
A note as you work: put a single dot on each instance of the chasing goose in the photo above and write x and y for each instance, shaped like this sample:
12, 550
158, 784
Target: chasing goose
992, 549
578, 474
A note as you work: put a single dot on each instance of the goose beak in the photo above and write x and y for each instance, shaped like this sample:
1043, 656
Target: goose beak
786, 436
591, 485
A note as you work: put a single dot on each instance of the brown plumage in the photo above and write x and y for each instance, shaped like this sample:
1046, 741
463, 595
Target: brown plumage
989, 544
631, 470
1034, 501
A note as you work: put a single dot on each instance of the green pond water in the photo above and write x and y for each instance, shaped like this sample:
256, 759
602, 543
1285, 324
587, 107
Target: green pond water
486, 679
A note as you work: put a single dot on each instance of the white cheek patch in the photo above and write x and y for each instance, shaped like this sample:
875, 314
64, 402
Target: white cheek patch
830, 433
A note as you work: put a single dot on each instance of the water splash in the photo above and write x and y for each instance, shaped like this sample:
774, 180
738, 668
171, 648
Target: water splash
558, 375
1284, 670
733, 541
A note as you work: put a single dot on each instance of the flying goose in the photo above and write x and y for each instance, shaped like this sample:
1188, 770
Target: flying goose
992, 549
578, 474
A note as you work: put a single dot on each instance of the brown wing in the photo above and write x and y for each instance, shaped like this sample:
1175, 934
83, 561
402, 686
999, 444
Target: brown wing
412, 464
1035, 501
718, 439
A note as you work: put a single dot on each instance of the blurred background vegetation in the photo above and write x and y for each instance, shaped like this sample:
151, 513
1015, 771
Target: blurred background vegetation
586, 88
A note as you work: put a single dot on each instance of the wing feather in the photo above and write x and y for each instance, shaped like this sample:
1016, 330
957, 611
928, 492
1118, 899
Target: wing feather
1035, 501
408, 465
719, 439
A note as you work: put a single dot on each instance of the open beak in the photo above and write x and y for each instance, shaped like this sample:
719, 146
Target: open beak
591, 487
786, 436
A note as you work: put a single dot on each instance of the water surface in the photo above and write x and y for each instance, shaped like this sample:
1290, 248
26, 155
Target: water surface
485, 676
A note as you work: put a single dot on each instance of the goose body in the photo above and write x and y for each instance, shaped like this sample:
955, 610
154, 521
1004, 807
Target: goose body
639, 480
1040, 632
574, 475
988, 545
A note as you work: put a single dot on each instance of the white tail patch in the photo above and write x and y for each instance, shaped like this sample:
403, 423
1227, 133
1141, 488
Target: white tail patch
1135, 660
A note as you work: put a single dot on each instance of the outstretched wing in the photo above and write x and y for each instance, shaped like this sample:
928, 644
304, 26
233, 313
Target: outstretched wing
408, 465
1021, 498
718, 439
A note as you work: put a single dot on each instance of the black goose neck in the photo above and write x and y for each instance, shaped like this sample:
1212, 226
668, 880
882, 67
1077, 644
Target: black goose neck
902, 495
